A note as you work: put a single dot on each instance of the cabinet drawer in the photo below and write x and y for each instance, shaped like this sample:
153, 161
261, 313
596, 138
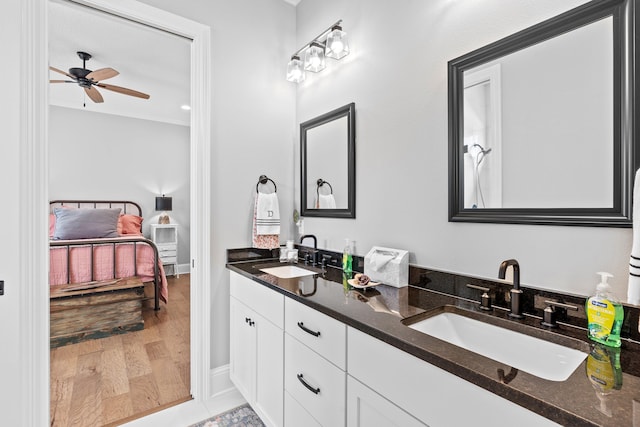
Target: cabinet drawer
169, 260
318, 331
295, 415
166, 247
324, 394
168, 252
265, 301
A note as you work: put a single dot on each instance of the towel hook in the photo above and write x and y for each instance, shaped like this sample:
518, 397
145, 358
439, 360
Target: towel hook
320, 182
263, 180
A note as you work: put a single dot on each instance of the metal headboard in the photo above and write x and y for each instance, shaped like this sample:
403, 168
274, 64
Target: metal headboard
127, 206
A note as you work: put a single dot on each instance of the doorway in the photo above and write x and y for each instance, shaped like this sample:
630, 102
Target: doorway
34, 312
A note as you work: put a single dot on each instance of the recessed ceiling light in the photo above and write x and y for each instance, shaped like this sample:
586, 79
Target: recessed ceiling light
186, 107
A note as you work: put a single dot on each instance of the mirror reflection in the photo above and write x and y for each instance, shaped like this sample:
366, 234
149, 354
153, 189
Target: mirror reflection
327, 165
327, 148
538, 124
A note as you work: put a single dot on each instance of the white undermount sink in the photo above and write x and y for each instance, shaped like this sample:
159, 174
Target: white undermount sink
288, 271
536, 356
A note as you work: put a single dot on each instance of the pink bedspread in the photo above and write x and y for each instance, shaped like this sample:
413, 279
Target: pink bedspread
103, 264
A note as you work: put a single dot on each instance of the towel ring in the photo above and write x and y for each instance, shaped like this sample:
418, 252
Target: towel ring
263, 180
319, 183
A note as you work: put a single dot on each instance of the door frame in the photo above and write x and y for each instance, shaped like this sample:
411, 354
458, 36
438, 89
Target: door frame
33, 204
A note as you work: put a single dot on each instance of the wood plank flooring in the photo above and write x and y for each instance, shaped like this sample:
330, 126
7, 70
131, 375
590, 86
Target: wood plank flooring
111, 380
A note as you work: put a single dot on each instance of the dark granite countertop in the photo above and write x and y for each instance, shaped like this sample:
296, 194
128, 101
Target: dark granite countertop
380, 311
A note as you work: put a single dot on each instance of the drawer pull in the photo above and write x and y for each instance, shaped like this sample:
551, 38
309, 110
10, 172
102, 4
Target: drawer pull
307, 330
304, 383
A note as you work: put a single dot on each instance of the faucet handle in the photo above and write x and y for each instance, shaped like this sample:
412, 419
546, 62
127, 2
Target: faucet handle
549, 313
485, 299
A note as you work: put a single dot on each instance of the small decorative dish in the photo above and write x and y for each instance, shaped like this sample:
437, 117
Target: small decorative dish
354, 283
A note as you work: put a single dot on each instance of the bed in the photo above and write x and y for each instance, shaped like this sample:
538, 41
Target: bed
86, 252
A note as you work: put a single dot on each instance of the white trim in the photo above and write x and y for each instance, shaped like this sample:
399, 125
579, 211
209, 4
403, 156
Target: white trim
34, 302
220, 381
33, 248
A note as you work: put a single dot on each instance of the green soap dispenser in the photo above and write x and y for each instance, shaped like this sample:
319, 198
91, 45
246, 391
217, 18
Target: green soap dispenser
347, 258
604, 315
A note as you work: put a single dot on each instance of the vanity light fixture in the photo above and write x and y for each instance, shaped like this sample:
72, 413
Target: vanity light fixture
331, 43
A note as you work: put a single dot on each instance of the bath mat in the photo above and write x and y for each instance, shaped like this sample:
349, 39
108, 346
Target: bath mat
242, 416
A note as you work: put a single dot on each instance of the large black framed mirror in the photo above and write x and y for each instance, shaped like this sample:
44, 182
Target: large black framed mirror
541, 123
328, 164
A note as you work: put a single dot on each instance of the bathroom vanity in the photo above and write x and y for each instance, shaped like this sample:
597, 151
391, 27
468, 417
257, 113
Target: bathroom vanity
313, 351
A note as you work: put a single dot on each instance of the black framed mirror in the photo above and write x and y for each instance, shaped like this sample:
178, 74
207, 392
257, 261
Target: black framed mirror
328, 164
541, 123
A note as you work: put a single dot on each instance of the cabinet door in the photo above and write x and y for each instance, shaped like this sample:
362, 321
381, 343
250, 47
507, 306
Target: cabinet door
366, 408
269, 372
295, 415
242, 351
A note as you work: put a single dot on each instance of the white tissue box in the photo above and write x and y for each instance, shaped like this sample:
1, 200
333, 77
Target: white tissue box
387, 265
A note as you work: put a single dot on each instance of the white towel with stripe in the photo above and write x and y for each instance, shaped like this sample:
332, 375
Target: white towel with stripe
633, 293
267, 214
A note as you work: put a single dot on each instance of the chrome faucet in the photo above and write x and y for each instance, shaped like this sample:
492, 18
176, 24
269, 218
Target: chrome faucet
315, 247
516, 292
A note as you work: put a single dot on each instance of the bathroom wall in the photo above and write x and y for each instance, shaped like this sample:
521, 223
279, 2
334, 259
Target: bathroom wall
126, 159
252, 131
397, 76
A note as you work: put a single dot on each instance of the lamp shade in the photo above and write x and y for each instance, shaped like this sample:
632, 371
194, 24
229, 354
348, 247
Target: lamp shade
164, 203
314, 58
337, 45
295, 70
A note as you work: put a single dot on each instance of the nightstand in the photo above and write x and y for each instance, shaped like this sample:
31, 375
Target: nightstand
165, 236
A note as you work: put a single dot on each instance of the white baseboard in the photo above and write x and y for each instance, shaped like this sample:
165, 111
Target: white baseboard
184, 268
219, 381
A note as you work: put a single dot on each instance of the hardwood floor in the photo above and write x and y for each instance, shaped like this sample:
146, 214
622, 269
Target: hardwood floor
111, 380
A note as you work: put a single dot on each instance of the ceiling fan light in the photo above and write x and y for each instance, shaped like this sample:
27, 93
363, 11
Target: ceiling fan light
314, 58
337, 43
295, 70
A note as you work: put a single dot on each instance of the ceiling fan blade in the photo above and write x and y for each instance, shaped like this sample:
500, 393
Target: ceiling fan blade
94, 94
61, 72
102, 74
123, 90
61, 81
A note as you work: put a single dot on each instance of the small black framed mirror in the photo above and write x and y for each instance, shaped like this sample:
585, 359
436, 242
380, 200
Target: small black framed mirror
328, 164
542, 122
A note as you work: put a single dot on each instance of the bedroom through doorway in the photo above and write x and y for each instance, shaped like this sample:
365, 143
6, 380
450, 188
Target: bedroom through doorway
123, 148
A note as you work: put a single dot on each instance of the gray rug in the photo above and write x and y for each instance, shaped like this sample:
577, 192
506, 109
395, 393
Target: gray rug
242, 416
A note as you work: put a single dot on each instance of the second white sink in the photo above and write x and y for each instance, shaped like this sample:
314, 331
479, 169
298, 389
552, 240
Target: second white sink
536, 356
288, 271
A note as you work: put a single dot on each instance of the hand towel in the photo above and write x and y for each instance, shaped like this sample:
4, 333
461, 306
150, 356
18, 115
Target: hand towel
633, 293
267, 214
326, 201
269, 220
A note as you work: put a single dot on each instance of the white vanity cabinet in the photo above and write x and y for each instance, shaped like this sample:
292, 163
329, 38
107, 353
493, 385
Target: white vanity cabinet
366, 408
428, 393
315, 364
256, 347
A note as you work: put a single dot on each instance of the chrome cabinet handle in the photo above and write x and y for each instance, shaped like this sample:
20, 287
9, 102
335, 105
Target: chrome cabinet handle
304, 383
307, 330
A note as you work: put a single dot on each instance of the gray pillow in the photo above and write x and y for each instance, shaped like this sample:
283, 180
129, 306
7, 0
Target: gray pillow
85, 223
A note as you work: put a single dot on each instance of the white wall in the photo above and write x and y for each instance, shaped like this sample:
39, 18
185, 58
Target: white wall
397, 77
10, 368
253, 127
108, 157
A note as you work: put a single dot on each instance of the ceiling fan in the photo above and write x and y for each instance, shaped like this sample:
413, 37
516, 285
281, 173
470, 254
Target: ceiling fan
88, 79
